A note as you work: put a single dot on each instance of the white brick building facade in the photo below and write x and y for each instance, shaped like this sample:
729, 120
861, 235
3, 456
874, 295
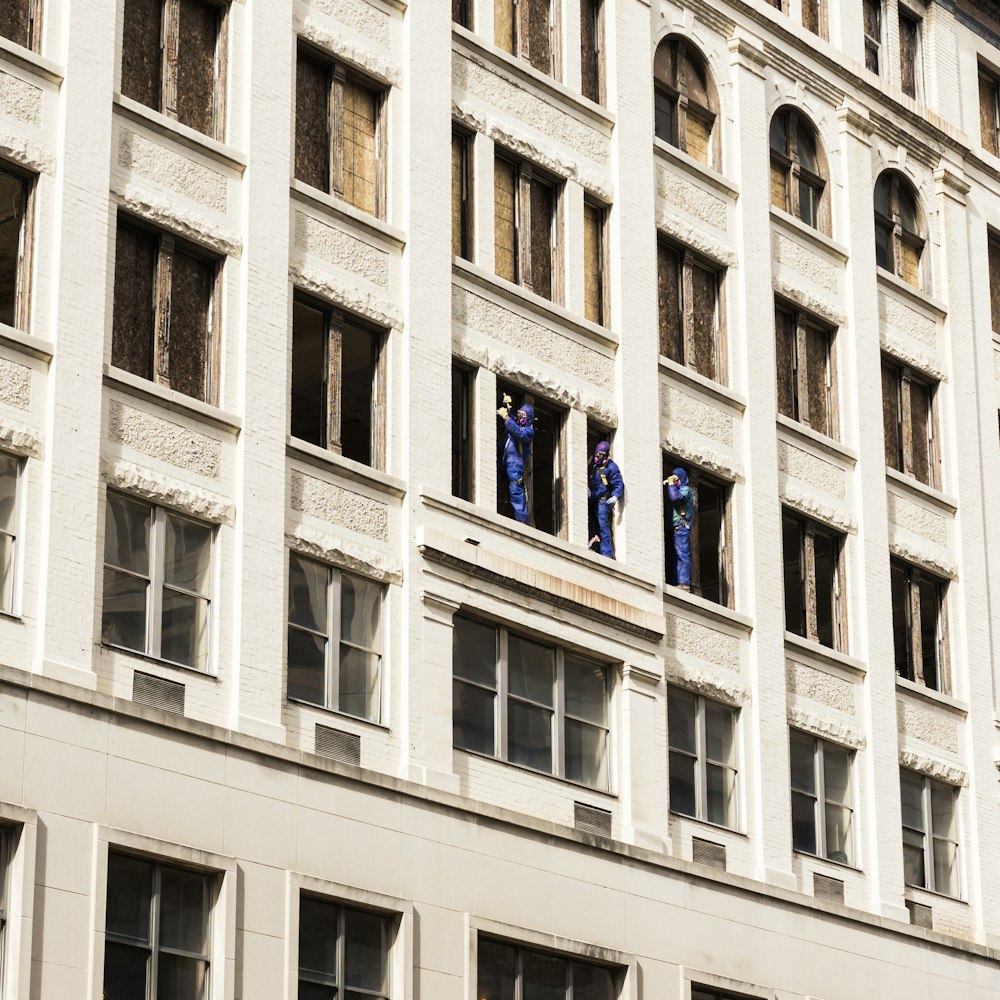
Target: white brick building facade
229, 775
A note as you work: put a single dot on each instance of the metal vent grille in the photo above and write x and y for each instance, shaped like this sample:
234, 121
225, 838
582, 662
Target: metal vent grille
920, 915
831, 889
338, 745
590, 819
707, 852
168, 696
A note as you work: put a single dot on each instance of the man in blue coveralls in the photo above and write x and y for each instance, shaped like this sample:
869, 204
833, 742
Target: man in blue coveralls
516, 451
605, 488
683, 508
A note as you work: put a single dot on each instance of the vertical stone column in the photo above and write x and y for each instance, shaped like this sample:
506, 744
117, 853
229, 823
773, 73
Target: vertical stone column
576, 485
485, 423
644, 759
571, 70
572, 233
482, 202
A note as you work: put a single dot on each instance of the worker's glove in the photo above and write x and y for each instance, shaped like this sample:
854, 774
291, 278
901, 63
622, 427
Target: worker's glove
670, 481
507, 401
611, 501
502, 412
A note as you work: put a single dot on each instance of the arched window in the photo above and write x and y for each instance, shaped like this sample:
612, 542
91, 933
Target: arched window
798, 169
686, 104
899, 229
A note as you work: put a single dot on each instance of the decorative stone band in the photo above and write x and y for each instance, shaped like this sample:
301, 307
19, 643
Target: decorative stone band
791, 288
695, 237
677, 442
310, 541
360, 16
364, 304
952, 774
922, 553
369, 59
907, 351
792, 495
150, 485
840, 731
713, 685
20, 440
26, 152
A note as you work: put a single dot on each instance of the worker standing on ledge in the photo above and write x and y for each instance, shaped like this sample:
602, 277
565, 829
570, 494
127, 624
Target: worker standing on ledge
683, 508
605, 489
516, 451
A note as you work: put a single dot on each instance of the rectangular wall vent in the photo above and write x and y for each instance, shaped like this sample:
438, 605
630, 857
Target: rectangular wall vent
338, 745
590, 819
830, 889
168, 696
707, 852
920, 915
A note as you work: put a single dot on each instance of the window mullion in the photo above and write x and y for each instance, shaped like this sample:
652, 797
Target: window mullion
334, 370
687, 306
341, 949
809, 578
803, 413
333, 578
336, 129
928, 820
522, 227
170, 45
154, 935
500, 750
157, 558
559, 717
161, 307
820, 813
701, 760
916, 637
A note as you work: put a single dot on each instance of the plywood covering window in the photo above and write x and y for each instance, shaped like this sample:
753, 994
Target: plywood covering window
989, 110
798, 181
909, 52
21, 22
993, 245
873, 13
461, 195
899, 235
690, 310
525, 227
340, 144
592, 68
814, 570
595, 269
529, 29
166, 315
338, 382
15, 246
174, 60
463, 381
685, 102
805, 369
909, 422
918, 625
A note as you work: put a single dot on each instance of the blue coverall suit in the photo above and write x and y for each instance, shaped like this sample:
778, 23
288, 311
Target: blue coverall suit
682, 504
605, 482
516, 452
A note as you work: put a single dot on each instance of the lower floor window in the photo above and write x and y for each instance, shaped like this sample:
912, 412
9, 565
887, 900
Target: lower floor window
930, 833
157, 930
510, 972
822, 815
10, 469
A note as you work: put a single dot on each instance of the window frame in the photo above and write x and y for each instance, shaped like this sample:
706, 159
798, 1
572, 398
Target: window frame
602, 262
802, 325
873, 44
989, 109
26, 245
898, 236
463, 427
913, 578
597, 93
915, 22
929, 837
558, 713
465, 223
904, 378
820, 799
993, 260
787, 162
520, 30
819, 8
18, 462
675, 93
334, 640
155, 583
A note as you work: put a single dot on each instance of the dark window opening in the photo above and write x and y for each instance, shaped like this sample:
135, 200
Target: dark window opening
909, 423
917, 625
813, 571
899, 237
461, 195
873, 34
989, 110
805, 366
463, 381
15, 268
798, 168
20, 21
592, 49
909, 52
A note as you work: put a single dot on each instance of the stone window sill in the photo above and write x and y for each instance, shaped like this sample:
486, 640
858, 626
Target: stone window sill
34, 347
806, 435
689, 164
356, 471
722, 393
373, 225
806, 647
930, 695
914, 486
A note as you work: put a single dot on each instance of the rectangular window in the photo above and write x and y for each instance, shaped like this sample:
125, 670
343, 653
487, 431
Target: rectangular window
340, 132
814, 16
595, 297
461, 195
15, 232
544, 475
526, 231
165, 312
174, 58
10, 474
463, 381
342, 951
338, 383
993, 247
930, 833
157, 582
592, 49
530, 703
989, 110
711, 534
528, 29
908, 417
822, 812
506, 970
702, 737
814, 601
805, 362
873, 34
689, 293
157, 937
334, 638
909, 52
918, 632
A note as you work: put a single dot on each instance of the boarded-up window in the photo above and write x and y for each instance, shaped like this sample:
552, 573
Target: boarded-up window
592, 50
461, 196
312, 121
338, 383
503, 24
594, 297
505, 219
15, 191
989, 111
173, 60
360, 123
909, 422
804, 350
993, 244
798, 169
909, 52
813, 571
873, 33
918, 626
526, 28
19, 21
689, 291
542, 211
899, 236
164, 323
685, 101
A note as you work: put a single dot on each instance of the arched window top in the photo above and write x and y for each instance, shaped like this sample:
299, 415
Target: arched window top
900, 231
798, 169
686, 100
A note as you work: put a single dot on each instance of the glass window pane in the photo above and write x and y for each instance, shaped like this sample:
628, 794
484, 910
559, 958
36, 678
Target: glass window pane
13, 201
943, 810
360, 612
543, 977
791, 543
586, 690
591, 982
184, 908
681, 720
586, 754
838, 834
124, 972
899, 579
8, 487
359, 354
364, 951
913, 858
719, 744
803, 823
123, 620
806, 143
930, 606
318, 939
316, 991
802, 763
946, 867
181, 978
908, 212
473, 718
309, 372
883, 245
130, 887
911, 788
6, 573
529, 736
496, 970
306, 666
126, 538
184, 629
188, 556
474, 651
837, 774
778, 134
720, 791
307, 582
530, 669
682, 793
359, 688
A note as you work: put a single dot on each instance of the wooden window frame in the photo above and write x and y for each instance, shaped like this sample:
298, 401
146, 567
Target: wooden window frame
898, 235
463, 455
993, 252
802, 324
916, 69
873, 45
34, 36
905, 377
989, 109
597, 10
521, 32
465, 221
787, 161
603, 265
676, 92
913, 577
26, 245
